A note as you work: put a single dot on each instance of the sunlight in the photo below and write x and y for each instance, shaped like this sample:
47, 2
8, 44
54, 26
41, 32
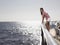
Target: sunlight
32, 23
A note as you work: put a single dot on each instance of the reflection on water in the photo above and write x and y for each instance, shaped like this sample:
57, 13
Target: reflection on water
12, 33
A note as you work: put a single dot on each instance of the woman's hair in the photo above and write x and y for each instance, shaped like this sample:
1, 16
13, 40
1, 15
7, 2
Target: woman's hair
42, 10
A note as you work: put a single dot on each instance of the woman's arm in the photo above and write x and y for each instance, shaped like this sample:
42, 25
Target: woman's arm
42, 18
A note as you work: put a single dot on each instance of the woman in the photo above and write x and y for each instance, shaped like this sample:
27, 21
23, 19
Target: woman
45, 15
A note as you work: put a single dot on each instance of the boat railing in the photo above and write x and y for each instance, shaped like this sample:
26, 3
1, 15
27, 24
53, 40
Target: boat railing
47, 39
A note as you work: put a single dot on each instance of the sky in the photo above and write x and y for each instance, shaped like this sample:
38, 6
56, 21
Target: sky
28, 10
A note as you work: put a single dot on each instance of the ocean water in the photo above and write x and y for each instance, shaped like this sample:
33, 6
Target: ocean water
13, 33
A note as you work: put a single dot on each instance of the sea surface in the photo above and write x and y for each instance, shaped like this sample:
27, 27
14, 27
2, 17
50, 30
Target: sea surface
14, 33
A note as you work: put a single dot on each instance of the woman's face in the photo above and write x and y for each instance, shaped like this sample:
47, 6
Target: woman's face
41, 10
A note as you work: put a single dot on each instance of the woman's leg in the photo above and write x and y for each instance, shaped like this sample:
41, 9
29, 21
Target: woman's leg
47, 25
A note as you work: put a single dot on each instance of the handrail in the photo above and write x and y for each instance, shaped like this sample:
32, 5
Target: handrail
49, 39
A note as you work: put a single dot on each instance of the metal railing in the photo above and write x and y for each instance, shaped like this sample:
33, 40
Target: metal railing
47, 39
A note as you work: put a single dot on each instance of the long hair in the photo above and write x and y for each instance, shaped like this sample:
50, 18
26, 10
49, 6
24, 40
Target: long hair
41, 11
